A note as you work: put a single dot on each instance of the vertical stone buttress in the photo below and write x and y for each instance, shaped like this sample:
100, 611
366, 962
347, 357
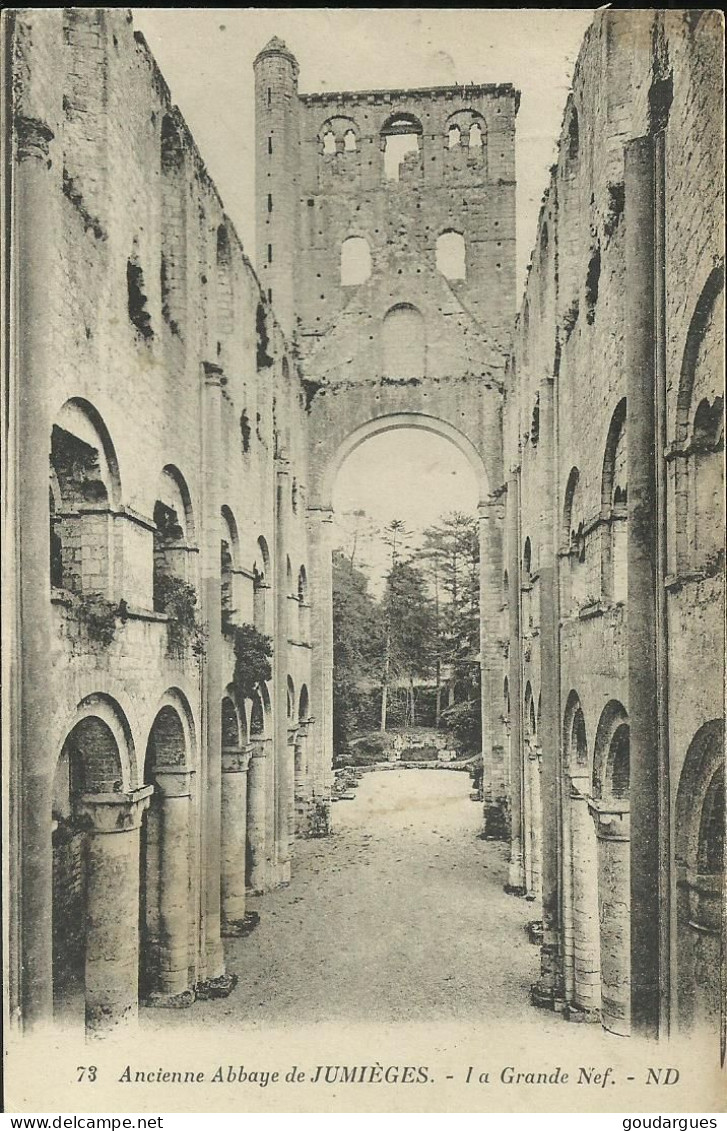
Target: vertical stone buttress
283, 771
516, 873
35, 193
550, 986
212, 379
493, 779
276, 177
642, 573
320, 736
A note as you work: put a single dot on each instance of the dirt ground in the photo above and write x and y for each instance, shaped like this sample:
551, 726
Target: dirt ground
399, 916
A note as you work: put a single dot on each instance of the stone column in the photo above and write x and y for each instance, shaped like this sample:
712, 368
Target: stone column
320, 526
493, 755
613, 834
175, 786
235, 765
35, 189
551, 980
283, 775
112, 909
639, 344
301, 778
516, 871
211, 604
584, 910
257, 790
292, 735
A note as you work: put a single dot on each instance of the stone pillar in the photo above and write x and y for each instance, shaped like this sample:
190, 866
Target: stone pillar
257, 792
112, 909
292, 736
282, 774
235, 765
550, 988
175, 786
534, 861
320, 526
642, 574
516, 871
613, 834
302, 796
584, 911
211, 603
36, 187
493, 755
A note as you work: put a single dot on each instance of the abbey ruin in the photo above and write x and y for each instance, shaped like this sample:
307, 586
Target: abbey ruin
194, 412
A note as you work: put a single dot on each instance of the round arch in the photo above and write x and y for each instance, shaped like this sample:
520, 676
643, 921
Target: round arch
610, 750
104, 708
78, 407
396, 421
175, 701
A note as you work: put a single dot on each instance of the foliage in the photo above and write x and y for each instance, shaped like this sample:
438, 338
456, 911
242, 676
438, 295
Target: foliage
357, 644
465, 722
178, 601
99, 617
252, 660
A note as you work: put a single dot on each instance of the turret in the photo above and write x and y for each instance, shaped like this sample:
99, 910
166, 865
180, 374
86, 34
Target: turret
276, 176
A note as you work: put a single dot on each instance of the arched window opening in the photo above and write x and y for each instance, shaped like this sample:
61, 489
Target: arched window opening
230, 725
614, 499
350, 144
593, 276
506, 700
527, 561
453, 136
229, 563
355, 261
329, 142
90, 763
257, 717
574, 575
261, 585
172, 536
303, 607
475, 136
620, 766
83, 486
580, 743
451, 255
290, 699
304, 705
224, 281
710, 846
139, 315
401, 143
403, 344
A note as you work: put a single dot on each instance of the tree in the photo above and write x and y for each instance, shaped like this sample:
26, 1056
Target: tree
451, 549
357, 648
395, 534
411, 629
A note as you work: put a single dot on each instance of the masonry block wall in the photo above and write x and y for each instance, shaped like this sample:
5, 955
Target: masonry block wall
597, 275
168, 409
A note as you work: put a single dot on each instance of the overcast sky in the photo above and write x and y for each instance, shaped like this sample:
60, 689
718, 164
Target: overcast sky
206, 58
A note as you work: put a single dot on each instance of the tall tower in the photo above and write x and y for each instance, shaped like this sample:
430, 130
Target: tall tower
277, 143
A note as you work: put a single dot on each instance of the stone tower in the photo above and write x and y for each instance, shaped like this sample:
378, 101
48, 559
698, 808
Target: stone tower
276, 176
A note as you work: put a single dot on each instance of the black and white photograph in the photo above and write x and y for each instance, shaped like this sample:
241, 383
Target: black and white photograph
363, 632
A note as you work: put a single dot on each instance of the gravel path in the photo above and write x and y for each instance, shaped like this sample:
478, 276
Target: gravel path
399, 916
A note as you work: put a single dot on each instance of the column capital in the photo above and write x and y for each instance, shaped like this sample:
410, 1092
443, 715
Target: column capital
174, 781
115, 812
261, 747
611, 818
236, 760
33, 138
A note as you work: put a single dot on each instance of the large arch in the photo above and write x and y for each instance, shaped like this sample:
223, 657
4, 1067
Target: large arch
392, 422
